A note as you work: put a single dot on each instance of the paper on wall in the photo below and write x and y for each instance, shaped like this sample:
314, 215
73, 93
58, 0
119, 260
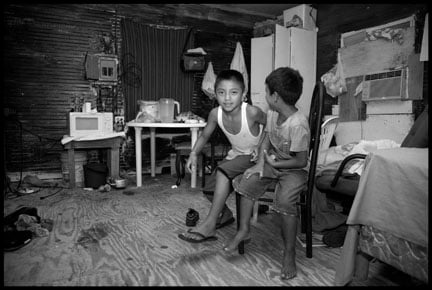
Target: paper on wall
359, 89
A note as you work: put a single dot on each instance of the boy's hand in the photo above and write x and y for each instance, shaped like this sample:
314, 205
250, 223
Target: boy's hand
253, 170
270, 159
255, 155
192, 158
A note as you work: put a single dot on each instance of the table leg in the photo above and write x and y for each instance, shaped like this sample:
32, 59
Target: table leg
194, 137
138, 157
71, 161
153, 151
114, 161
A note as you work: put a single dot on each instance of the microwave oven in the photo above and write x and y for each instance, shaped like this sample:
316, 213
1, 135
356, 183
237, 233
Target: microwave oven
82, 124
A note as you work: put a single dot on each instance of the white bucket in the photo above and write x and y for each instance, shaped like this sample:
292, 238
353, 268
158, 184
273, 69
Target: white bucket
80, 160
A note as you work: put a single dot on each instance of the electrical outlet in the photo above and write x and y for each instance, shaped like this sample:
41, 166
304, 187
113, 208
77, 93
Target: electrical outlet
9, 112
119, 119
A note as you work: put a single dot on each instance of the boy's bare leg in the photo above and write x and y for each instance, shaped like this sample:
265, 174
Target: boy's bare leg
208, 226
246, 207
225, 214
289, 233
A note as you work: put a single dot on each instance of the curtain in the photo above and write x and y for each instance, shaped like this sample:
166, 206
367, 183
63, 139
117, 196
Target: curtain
150, 66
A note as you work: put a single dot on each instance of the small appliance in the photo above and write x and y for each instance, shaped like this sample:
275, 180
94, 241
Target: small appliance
82, 124
385, 85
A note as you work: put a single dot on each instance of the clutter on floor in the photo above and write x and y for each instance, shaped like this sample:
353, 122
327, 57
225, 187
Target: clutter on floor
23, 225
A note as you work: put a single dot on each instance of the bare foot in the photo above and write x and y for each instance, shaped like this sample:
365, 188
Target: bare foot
233, 243
289, 269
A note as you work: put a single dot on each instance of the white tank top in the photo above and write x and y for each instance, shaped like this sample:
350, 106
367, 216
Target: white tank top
244, 142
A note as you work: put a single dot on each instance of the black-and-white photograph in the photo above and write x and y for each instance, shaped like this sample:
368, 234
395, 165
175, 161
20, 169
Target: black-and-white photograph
131, 133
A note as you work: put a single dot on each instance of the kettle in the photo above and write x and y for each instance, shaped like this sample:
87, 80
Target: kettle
166, 109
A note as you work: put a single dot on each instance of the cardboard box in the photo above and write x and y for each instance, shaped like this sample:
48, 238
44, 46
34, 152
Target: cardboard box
307, 14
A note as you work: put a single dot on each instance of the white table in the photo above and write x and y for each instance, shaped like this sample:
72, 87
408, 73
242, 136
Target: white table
194, 127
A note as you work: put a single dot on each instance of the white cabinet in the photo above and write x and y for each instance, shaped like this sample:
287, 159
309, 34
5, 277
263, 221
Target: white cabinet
293, 47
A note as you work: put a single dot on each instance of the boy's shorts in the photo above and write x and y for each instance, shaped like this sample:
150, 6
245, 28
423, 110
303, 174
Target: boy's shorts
230, 168
287, 191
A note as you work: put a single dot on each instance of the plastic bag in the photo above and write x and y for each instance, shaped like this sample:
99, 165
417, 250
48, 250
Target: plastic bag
238, 64
334, 80
209, 81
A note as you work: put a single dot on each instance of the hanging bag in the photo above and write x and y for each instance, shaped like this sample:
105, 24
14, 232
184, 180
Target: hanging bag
191, 62
208, 82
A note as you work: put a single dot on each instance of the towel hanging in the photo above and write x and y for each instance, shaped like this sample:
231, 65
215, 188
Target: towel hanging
238, 64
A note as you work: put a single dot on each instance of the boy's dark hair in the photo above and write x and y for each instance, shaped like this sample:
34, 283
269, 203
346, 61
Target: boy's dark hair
287, 82
230, 74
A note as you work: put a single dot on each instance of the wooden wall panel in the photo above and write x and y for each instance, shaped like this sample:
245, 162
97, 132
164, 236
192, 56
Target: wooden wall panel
44, 61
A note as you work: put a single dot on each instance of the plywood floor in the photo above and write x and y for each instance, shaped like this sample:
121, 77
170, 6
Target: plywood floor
114, 239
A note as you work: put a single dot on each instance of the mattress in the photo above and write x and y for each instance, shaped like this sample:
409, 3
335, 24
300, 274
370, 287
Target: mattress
406, 256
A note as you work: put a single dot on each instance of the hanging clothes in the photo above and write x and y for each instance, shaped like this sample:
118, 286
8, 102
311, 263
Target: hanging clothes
238, 63
208, 82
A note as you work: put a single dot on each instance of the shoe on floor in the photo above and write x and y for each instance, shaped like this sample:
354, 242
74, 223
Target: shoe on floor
200, 240
192, 217
13, 240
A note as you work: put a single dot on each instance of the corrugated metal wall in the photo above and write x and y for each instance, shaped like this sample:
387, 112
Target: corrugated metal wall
44, 53
45, 47
156, 52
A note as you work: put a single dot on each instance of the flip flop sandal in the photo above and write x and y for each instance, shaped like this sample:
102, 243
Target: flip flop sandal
225, 223
195, 241
14, 240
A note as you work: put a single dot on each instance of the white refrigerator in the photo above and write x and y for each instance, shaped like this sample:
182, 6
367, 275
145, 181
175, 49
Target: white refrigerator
293, 47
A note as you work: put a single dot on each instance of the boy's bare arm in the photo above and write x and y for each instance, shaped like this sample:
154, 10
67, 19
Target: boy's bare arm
257, 115
298, 160
259, 166
207, 132
203, 138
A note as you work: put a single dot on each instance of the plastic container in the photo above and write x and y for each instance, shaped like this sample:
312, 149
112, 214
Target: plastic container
95, 174
149, 111
80, 161
166, 109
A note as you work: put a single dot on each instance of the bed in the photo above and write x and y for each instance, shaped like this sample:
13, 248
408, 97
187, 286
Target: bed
389, 216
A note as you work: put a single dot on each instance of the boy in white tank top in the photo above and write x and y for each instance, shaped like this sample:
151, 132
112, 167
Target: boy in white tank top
242, 124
